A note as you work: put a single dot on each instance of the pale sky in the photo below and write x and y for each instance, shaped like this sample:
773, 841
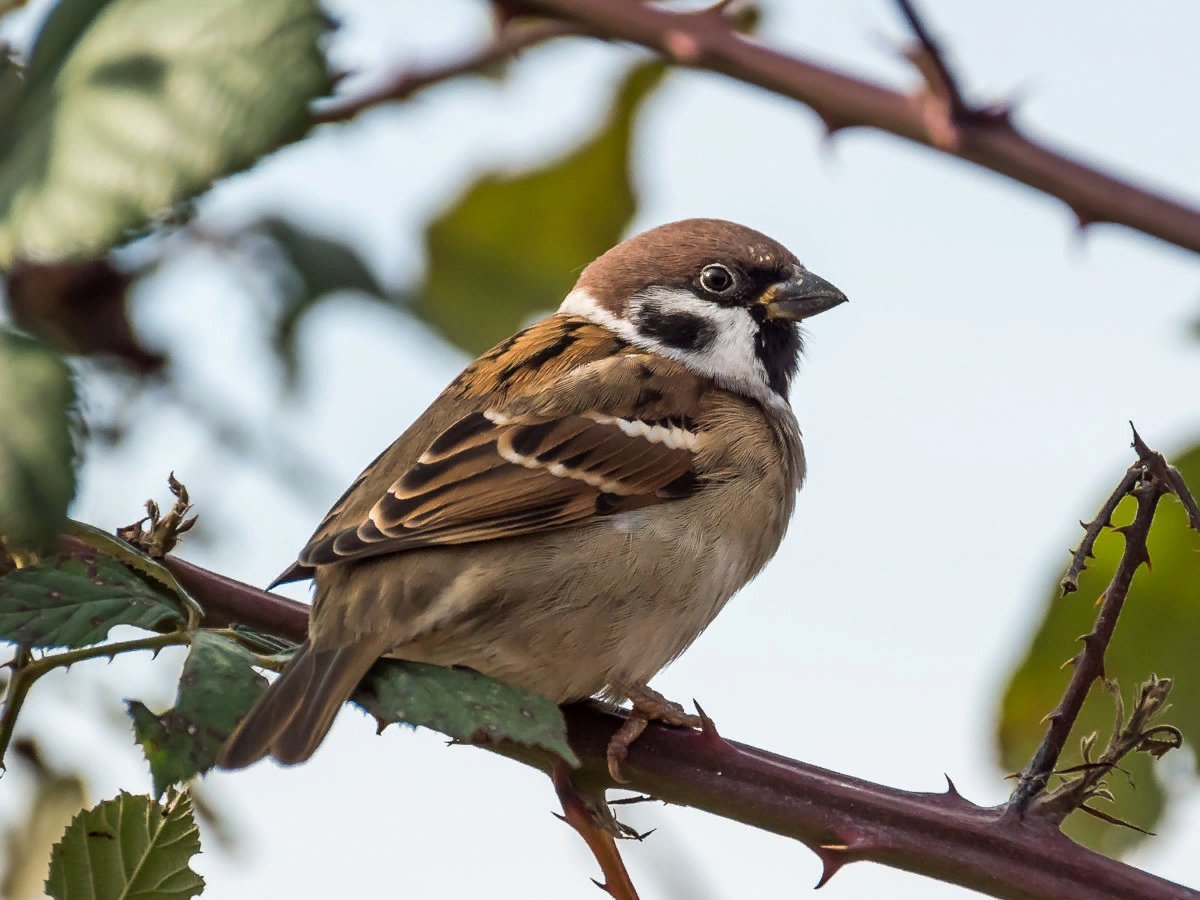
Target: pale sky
960, 415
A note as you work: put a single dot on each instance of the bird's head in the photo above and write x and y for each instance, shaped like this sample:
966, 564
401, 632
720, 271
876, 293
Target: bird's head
718, 297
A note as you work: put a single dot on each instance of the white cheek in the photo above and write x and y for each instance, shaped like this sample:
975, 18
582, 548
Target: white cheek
731, 359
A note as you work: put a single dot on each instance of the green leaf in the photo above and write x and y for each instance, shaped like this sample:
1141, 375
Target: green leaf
73, 599
1157, 632
313, 267
216, 690
512, 246
128, 848
37, 456
111, 545
463, 704
132, 106
45, 812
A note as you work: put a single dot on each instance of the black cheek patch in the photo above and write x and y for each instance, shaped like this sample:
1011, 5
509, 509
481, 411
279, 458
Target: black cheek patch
684, 331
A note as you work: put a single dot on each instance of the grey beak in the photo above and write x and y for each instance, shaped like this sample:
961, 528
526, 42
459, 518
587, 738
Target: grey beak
801, 297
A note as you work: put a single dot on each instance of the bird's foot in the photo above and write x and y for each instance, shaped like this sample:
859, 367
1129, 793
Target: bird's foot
648, 706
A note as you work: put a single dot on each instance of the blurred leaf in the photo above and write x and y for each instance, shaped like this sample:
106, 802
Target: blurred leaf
463, 704
72, 600
37, 471
1157, 632
313, 267
217, 823
130, 107
216, 690
512, 246
56, 798
79, 307
128, 847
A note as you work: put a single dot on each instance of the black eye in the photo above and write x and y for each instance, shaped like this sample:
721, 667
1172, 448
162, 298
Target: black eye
716, 278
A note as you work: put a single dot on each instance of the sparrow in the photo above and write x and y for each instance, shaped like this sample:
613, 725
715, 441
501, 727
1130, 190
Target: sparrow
578, 505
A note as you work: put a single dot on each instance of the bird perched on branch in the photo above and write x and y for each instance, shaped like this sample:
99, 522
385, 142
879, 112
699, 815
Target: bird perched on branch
576, 507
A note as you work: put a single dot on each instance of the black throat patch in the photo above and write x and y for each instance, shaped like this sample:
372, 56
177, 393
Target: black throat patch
778, 346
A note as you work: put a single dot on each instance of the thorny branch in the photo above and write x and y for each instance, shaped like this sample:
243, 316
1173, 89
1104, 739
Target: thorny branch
26, 670
842, 819
1093, 529
927, 57
589, 815
1146, 481
511, 40
982, 135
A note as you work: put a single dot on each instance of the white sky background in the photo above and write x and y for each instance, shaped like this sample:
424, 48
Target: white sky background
960, 415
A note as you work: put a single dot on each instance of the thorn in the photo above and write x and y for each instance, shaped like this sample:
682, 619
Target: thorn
832, 126
1083, 220
560, 817
1138, 444
644, 834
603, 887
1069, 662
626, 801
951, 790
832, 858
708, 730
380, 724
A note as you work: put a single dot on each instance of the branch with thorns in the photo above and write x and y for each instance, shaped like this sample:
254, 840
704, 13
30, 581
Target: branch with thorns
937, 116
1005, 851
1148, 480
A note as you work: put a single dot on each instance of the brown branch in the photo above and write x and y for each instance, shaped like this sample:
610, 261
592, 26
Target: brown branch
589, 816
843, 819
933, 63
1092, 530
511, 40
985, 138
1144, 484
1169, 477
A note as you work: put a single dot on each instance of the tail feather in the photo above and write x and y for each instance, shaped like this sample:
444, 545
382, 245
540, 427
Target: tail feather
292, 718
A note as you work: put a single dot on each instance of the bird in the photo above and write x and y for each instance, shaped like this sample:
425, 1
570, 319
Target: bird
579, 503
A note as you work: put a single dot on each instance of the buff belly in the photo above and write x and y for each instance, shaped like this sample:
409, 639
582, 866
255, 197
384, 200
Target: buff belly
601, 607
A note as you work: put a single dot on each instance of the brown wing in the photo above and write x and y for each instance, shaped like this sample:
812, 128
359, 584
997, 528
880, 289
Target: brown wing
541, 461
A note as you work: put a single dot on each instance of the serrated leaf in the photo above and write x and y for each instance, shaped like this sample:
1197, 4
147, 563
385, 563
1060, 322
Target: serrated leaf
216, 690
1157, 632
37, 456
463, 704
128, 848
131, 106
131, 556
73, 599
512, 246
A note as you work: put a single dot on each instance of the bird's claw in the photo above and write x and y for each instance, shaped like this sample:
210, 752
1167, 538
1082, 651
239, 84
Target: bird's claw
648, 706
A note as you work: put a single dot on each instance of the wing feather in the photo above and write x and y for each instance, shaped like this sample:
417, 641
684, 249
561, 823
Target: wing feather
609, 433
524, 477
